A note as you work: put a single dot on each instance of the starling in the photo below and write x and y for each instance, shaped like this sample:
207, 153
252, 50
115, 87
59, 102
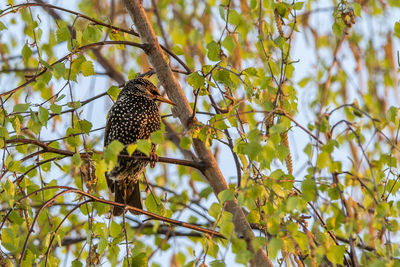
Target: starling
135, 115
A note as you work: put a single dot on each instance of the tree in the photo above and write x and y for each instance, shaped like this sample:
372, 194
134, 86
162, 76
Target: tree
266, 157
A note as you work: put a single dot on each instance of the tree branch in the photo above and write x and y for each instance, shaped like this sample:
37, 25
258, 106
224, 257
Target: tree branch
16, 8
46, 148
183, 111
162, 230
79, 49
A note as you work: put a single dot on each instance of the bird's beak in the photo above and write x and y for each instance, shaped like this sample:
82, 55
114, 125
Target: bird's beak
165, 100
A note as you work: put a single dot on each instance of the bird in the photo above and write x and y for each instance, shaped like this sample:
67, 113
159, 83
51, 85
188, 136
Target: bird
134, 116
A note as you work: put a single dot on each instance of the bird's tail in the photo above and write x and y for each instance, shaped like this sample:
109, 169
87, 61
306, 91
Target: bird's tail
129, 195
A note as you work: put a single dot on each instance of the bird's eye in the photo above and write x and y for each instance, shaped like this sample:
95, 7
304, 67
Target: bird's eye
154, 92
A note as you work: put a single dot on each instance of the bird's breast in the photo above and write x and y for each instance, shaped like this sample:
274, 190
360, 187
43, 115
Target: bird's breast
132, 119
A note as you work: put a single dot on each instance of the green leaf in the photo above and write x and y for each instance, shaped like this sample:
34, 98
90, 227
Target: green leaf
59, 68
26, 52
242, 254
2, 26
3, 132
337, 30
251, 71
9, 189
253, 4
303, 82
16, 218
76, 263
205, 192
226, 195
87, 68
86, 126
216, 263
29, 259
308, 189
234, 17
43, 116
76, 67
195, 80
76, 159
20, 107
101, 208
117, 36
382, 210
282, 152
226, 225
113, 91
253, 216
9, 239
153, 204
357, 9
157, 137
139, 260
213, 51
75, 104
301, 240
323, 160
91, 34
185, 142
55, 108
391, 114
48, 66
298, 5
282, 9
112, 151
335, 254
63, 34
115, 229
224, 77
144, 146
258, 242
221, 10
101, 168
61, 97
229, 43
251, 149
131, 148
102, 245
220, 124
274, 245
17, 125
394, 3
273, 225
215, 210
292, 203
177, 49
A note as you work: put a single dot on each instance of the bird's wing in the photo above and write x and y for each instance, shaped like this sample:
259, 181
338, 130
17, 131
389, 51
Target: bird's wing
138, 122
143, 133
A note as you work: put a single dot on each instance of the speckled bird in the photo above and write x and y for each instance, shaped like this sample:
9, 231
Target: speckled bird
135, 115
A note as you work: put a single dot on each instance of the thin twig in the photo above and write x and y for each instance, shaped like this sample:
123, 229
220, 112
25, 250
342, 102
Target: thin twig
77, 50
198, 165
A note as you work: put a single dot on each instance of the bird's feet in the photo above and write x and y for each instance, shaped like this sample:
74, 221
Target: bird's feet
153, 159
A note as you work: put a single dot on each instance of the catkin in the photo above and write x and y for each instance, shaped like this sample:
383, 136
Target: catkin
288, 159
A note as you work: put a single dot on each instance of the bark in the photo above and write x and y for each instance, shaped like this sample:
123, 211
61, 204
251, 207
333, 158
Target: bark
184, 112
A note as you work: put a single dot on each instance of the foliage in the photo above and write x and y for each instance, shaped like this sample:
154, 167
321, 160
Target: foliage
309, 149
